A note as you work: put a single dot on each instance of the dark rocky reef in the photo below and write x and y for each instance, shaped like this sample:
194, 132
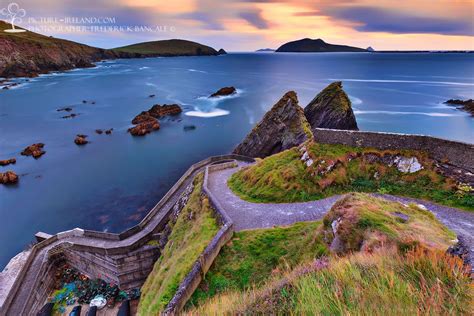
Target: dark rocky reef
8, 177
35, 150
331, 108
283, 127
223, 92
307, 45
221, 52
6, 162
465, 105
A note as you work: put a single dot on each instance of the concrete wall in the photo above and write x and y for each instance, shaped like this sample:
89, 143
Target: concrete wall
458, 154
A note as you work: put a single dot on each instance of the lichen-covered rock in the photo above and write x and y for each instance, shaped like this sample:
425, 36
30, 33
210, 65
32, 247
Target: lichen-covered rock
8, 177
283, 127
331, 108
35, 150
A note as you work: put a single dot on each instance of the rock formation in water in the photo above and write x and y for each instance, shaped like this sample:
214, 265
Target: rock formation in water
145, 127
331, 108
221, 52
81, 139
283, 127
6, 162
465, 105
147, 121
35, 150
223, 92
8, 177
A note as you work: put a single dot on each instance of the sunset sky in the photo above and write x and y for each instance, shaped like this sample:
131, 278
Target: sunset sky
246, 25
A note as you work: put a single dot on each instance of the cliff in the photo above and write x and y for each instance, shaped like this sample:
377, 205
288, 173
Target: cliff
331, 108
308, 45
283, 127
29, 54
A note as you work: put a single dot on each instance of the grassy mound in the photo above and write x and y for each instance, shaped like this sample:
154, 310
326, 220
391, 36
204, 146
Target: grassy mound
394, 266
337, 169
253, 255
193, 230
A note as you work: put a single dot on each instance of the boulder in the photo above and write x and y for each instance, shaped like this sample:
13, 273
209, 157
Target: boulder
331, 108
109, 131
283, 127
8, 177
35, 150
6, 162
223, 92
158, 111
81, 139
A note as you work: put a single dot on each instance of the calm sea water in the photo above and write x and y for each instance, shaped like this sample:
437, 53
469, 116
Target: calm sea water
111, 183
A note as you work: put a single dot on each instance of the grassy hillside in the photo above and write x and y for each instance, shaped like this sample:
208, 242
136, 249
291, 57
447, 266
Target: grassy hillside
193, 230
336, 169
252, 255
392, 266
173, 47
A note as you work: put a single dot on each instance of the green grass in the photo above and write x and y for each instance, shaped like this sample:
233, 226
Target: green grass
285, 178
253, 255
194, 229
375, 276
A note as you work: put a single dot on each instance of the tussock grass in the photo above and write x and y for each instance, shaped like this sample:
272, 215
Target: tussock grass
253, 256
194, 229
285, 178
419, 278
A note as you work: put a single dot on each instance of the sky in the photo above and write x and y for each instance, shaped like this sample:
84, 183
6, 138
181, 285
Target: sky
247, 25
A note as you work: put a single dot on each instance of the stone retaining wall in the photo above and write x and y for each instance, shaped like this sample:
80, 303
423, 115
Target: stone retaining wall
126, 260
205, 260
458, 154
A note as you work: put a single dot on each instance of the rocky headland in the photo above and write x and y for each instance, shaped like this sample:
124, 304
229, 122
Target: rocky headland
308, 45
29, 54
465, 105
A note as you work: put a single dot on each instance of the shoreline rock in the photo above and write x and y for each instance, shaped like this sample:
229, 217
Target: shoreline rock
331, 108
222, 92
7, 162
283, 127
8, 177
465, 105
35, 150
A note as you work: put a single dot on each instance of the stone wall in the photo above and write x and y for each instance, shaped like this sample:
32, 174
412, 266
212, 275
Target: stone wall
458, 154
205, 260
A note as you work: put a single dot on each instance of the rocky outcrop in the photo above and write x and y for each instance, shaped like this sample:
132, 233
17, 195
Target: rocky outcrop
221, 52
35, 150
465, 105
81, 139
331, 108
8, 177
222, 92
6, 162
147, 121
283, 127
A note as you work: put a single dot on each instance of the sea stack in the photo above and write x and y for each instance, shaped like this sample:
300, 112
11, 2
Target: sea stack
331, 108
283, 127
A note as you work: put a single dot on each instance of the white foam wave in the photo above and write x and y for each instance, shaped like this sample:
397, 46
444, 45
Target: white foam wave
355, 100
194, 70
449, 83
142, 68
405, 113
215, 112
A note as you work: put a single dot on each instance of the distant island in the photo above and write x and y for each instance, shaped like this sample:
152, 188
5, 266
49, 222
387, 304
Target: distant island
308, 45
265, 50
29, 54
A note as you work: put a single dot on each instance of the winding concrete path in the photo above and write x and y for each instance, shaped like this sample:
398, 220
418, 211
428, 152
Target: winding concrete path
248, 215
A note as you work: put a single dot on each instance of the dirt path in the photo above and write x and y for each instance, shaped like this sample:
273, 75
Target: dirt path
248, 215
